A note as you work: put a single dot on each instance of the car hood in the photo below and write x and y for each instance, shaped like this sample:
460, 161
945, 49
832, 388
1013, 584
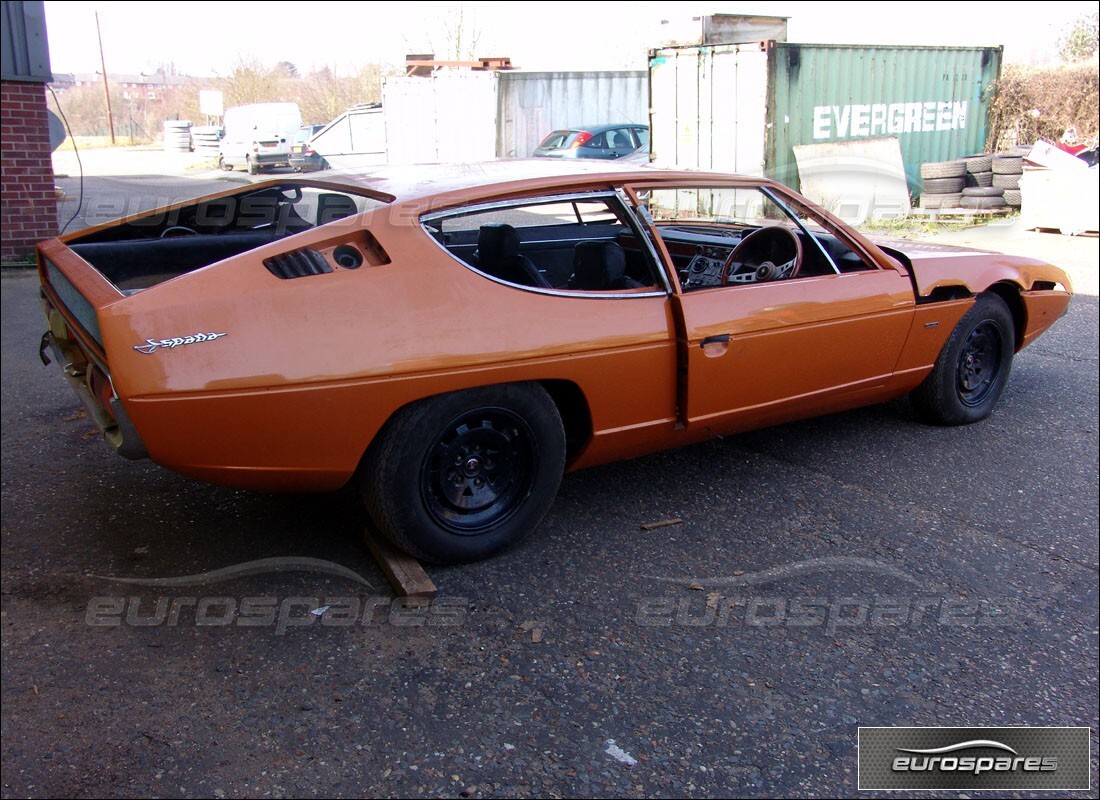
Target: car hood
937, 265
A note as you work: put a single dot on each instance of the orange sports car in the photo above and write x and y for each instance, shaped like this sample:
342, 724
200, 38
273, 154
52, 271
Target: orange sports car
453, 338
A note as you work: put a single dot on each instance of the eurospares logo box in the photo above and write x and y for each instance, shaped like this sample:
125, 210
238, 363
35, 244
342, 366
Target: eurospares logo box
974, 758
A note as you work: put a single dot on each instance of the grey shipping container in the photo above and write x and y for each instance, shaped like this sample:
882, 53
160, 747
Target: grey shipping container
746, 107
532, 104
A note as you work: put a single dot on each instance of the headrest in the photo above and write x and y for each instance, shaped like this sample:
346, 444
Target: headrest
496, 241
332, 206
598, 265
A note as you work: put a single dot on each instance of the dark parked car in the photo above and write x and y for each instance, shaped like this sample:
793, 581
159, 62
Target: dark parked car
302, 156
595, 141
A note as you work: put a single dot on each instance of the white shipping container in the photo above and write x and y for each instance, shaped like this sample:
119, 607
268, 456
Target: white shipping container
449, 117
710, 108
462, 116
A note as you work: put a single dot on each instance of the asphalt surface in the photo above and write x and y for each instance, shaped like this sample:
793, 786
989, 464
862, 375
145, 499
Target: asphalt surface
954, 573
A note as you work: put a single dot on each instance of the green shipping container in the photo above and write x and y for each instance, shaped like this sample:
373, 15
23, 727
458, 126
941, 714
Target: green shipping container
746, 107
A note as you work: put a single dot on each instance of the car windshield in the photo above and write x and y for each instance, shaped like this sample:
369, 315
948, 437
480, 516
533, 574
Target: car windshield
717, 206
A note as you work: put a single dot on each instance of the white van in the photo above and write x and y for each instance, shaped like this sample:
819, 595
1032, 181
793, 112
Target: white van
258, 136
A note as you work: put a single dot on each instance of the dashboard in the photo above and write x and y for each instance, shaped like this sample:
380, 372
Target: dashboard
700, 252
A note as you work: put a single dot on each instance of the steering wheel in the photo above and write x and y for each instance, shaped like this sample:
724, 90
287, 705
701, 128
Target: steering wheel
178, 230
767, 254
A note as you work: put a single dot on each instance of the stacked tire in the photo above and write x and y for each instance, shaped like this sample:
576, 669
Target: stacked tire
979, 170
944, 182
1007, 169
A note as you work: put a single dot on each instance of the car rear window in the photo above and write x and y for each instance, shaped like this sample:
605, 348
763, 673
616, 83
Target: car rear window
555, 140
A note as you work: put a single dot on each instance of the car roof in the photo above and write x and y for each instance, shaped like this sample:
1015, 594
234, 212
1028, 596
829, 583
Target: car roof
490, 179
606, 126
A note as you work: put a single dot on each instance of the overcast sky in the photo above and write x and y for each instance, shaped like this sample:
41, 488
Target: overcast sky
208, 38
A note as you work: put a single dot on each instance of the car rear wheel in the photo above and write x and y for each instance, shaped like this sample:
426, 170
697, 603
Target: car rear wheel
253, 167
224, 165
458, 477
973, 367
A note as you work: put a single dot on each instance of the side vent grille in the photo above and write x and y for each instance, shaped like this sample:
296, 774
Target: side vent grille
297, 264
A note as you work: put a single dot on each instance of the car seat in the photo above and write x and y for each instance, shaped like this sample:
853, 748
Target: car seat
498, 255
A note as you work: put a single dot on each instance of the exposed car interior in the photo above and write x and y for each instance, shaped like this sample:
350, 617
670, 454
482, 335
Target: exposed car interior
742, 235
566, 244
165, 244
588, 244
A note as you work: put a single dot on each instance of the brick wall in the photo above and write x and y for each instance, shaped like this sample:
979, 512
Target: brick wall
28, 207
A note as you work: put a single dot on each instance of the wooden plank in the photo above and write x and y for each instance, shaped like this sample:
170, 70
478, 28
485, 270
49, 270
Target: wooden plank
962, 214
404, 572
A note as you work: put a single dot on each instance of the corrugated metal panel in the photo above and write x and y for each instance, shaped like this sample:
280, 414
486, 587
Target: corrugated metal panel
708, 107
24, 51
935, 100
449, 117
532, 104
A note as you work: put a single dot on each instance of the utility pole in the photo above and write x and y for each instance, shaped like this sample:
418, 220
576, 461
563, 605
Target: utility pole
106, 88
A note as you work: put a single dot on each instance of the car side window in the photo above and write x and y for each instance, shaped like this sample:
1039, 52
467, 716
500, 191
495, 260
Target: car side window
597, 142
564, 244
642, 135
620, 139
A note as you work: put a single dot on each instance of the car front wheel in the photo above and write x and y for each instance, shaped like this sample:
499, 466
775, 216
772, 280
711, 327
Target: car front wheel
458, 477
972, 369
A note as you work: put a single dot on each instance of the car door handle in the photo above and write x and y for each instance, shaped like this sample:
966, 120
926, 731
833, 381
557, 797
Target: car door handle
722, 338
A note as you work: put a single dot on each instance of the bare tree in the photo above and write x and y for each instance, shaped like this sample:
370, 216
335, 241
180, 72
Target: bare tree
455, 38
1082, 40
252, 82
323, 94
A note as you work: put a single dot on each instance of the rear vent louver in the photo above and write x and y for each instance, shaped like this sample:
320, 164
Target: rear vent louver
297, 264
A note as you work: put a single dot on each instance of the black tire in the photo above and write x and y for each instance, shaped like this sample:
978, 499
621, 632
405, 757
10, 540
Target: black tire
224, 165
979, 163
251, 165
943, 169
983, 191
940, 200
983, 202
1007, 181
973, 367
943, 185
1008, 165
976, 179
461, 476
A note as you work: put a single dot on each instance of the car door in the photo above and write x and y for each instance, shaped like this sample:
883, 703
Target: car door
770, 351
620, 142
757, 353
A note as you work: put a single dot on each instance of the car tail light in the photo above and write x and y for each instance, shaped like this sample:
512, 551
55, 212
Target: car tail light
582, 137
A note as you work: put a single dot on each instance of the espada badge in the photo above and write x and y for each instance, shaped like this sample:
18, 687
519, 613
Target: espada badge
152, 345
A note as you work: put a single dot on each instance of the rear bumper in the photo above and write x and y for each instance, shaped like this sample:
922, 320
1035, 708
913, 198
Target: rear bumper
271, 159
313, 161
112, 420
